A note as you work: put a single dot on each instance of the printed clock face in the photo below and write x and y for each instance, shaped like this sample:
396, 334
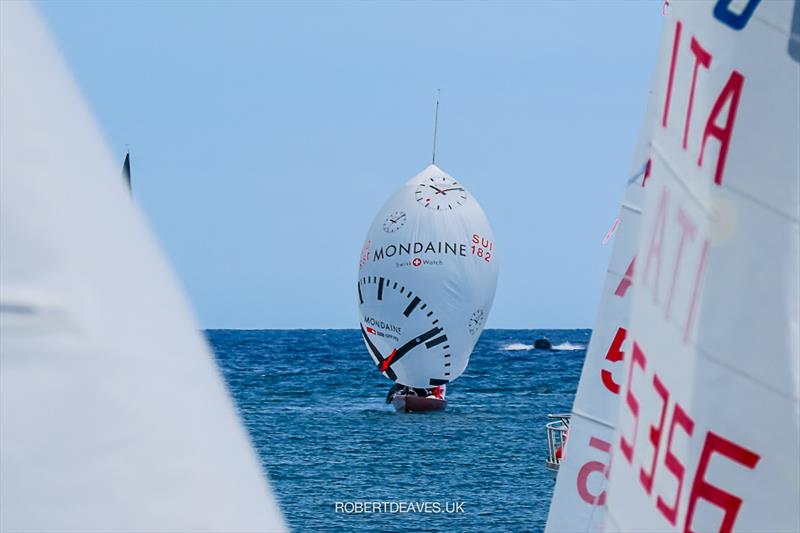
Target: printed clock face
394, 221
403, 335
440, 193
476, 321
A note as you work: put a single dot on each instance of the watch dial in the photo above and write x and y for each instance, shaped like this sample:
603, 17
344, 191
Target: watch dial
394, 221
440, 194
476, 321
402, 333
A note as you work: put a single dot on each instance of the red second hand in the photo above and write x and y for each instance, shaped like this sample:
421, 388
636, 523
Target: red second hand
386, 362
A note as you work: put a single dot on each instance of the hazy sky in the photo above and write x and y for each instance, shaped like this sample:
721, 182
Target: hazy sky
265, 137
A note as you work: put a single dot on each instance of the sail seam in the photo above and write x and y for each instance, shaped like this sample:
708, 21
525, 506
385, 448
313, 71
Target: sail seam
609, 516
772, 25
707, 209
614, 272
674, 175
791, 218
591, 418
707, 355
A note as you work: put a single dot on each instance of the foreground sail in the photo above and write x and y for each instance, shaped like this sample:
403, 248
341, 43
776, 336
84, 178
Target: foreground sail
709, 426
579, 496
113, 416
427, 279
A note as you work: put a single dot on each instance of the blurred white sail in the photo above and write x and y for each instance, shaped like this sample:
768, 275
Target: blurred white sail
709, 421
113, 416
579, 497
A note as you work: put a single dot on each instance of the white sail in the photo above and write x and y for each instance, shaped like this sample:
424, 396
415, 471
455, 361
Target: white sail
113, 416
427, 278
579, 497
709, 421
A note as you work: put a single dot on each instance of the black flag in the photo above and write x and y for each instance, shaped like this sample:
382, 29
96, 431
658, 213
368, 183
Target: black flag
126, 169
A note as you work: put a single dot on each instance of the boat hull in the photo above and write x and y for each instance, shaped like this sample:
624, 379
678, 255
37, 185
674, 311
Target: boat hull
416, 404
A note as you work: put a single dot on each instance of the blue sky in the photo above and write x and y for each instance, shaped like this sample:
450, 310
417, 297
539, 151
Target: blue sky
265, 137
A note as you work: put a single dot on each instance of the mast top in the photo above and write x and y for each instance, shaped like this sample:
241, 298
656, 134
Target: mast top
435, 125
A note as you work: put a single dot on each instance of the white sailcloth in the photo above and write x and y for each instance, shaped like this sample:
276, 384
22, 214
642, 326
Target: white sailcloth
579, 497
427, 278
709, 421
113, 416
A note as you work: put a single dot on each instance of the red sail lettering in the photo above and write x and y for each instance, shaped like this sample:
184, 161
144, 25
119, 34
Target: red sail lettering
679, 418
656, 242
671, 78
688, 229
614, 354
702, 489
731, 92
626, 446
655, 435
693, 304
627, 280
589, 468
701, 57
647, 168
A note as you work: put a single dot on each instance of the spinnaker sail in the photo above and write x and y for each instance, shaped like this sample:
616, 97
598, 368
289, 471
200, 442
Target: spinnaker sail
427, 278
113, 415
709, 419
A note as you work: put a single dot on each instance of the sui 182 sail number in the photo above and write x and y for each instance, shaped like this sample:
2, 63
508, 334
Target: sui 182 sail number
482, 247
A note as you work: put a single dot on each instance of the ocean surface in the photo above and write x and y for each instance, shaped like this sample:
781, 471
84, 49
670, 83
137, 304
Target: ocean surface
313, 403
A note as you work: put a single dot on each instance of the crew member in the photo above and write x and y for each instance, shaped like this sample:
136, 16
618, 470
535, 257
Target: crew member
396, 387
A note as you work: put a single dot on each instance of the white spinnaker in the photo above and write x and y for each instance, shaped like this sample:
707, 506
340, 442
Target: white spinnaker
113, 416
709, 420
431, 244
579, 497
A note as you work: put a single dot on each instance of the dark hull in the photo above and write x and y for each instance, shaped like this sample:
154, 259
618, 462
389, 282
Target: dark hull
543, 344
415, 404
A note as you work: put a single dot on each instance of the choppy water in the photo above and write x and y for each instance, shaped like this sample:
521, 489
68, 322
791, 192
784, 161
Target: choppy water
314, 406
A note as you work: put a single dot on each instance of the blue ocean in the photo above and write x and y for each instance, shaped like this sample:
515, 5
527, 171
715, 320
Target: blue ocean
314, 406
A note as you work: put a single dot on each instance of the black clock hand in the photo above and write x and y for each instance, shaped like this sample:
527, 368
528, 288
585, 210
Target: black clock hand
407, 347
438, 190
454, 189
381, 361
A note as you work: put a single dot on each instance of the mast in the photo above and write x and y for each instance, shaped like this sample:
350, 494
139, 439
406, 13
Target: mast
435, 125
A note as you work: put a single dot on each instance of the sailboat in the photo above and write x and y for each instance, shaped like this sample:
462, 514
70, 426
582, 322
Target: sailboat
426, 282
113, 414
708, 427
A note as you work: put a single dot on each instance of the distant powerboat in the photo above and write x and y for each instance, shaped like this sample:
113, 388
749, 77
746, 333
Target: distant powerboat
543, 344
